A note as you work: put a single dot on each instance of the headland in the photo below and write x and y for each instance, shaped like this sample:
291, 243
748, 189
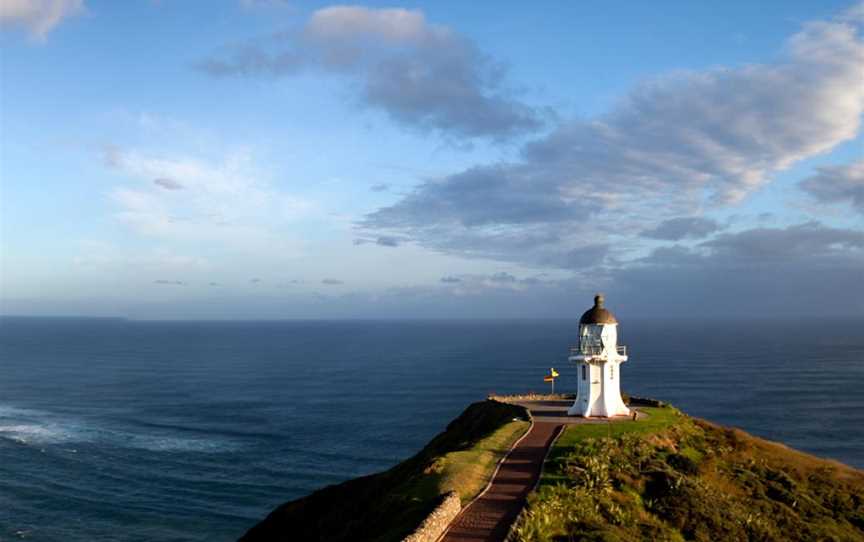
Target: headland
519, 468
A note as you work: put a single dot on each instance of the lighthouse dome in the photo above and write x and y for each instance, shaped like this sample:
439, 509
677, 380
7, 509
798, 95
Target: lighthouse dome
597, 314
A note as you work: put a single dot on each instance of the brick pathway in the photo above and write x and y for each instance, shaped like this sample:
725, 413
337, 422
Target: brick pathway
488, 518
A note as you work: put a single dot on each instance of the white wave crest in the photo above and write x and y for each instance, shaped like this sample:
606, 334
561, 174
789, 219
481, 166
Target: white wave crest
33, 427
32, 433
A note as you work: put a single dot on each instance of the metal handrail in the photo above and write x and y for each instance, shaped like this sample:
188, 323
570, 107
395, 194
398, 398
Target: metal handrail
595, 350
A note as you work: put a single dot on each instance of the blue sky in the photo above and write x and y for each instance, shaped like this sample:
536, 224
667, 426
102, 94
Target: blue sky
287, 159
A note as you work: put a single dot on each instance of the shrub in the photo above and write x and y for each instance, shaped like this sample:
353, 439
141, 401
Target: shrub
682, 464
691, 480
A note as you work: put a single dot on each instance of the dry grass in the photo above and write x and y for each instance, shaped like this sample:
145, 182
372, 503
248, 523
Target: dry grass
468, 471
779, 455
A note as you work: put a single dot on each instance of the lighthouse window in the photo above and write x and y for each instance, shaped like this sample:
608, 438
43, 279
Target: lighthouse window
611, 372
584, 374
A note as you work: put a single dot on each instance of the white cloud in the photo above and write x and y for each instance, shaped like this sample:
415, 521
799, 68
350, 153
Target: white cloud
673, 146
476, 284
38, 16
228, 202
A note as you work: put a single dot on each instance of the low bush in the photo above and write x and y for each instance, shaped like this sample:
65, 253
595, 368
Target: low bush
686, 479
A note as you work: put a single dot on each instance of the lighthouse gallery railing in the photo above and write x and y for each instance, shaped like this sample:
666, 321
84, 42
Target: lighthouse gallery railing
595, 350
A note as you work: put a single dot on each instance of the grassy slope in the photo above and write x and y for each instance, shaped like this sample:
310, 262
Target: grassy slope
658, 420
677, 478
389, 505
466, 471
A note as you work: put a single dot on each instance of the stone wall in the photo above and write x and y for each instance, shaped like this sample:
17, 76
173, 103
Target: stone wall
645, 401
532, 397
437, 522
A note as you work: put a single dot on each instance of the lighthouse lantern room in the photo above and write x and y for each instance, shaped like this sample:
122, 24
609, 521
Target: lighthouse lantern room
598, 358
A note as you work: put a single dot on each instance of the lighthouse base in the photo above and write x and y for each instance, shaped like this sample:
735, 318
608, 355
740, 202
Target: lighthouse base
599, 389
599, 408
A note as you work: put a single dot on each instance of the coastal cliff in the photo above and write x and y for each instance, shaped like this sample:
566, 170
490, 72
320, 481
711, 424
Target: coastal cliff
667, 477
390, 505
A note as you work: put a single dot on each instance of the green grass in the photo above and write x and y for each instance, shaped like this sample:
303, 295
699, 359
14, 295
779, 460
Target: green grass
466, 471
659, 419
675, 478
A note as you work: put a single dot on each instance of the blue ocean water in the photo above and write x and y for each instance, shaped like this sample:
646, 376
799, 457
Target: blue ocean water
182, 431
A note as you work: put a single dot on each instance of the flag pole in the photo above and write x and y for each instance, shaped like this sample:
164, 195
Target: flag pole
553, 374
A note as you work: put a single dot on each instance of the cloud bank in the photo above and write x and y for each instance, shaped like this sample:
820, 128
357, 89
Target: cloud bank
422, 75
671, 147
753, 273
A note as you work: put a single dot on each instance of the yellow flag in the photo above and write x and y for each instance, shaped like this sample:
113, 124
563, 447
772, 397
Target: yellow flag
553, 372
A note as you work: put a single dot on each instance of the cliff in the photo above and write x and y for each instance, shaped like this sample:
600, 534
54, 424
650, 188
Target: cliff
389, 505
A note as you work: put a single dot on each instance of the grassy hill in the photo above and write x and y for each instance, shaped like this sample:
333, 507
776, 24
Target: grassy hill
673, 477
389, 505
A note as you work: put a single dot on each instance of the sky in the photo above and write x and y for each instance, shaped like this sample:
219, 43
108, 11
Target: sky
260, 159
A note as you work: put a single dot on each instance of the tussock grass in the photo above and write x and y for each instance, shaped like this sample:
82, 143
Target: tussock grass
466, 471
673, 477
659, 418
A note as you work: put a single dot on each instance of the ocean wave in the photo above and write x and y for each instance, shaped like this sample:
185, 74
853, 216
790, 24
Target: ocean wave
34, 427
9, 411
27, 433
155, 443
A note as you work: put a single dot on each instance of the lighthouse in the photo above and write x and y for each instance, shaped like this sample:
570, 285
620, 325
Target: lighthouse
598, 358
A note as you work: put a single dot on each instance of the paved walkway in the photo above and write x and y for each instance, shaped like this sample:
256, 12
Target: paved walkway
489, 518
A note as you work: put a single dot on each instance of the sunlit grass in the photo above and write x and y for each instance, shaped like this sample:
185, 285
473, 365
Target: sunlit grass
672, 477
659, 418
467, 471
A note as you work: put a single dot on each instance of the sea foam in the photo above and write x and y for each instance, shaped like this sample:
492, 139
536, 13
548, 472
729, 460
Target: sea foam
26, 426
32, 433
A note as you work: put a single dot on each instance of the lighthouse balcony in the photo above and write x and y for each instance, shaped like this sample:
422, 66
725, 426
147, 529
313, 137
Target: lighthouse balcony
589, 350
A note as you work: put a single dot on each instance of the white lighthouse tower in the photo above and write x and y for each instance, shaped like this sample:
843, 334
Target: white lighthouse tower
598, 358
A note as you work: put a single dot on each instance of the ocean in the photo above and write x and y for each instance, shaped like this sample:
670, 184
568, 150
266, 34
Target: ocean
190, 431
